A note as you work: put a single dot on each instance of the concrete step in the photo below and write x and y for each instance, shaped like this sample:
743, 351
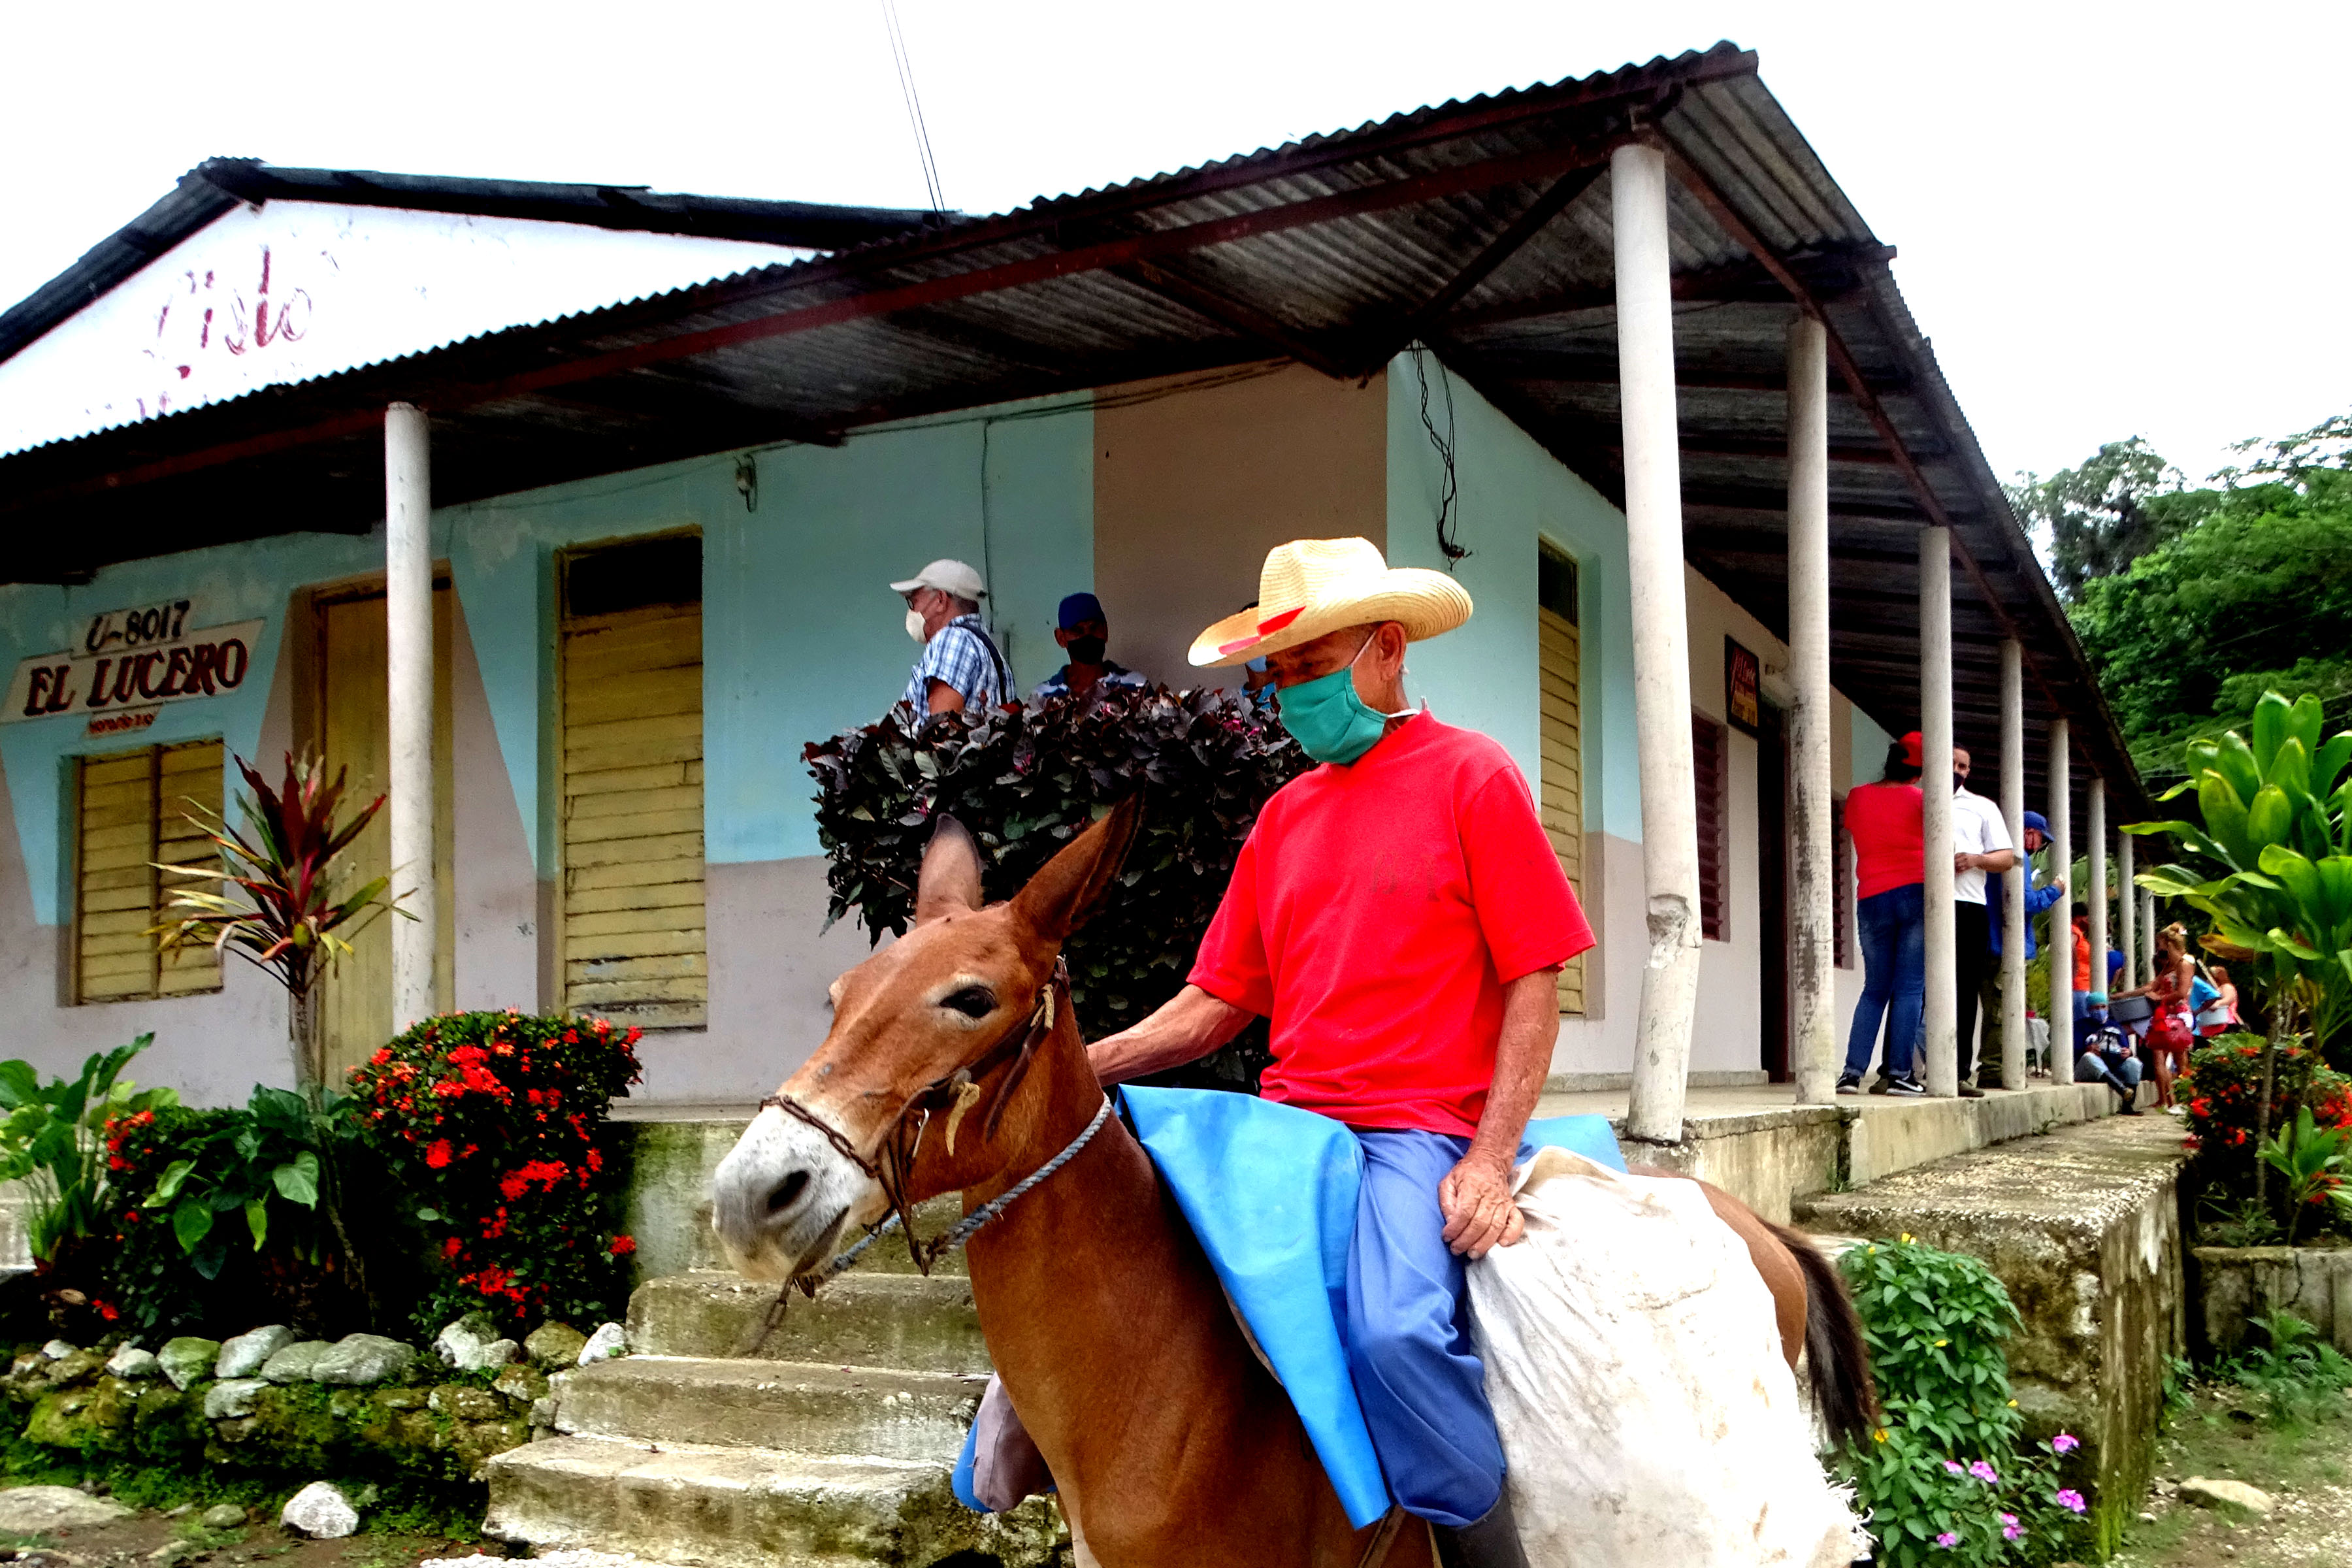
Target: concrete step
859, 1319
744, 1507
669, 1198
868, 1411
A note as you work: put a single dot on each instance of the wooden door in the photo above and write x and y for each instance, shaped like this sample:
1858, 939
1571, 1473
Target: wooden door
354, 733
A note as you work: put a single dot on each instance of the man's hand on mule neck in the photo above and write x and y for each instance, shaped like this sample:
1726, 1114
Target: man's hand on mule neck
1480, 1213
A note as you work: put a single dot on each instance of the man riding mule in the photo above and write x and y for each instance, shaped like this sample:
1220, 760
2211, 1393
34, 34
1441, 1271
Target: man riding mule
1399, 916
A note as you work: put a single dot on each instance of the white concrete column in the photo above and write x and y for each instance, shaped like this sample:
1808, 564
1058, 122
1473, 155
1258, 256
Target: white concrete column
1812, 870
408, 659
1662, 708
2126, 907
1942, 1020
2017, 883
2060, 812
2094, 836
2147, 936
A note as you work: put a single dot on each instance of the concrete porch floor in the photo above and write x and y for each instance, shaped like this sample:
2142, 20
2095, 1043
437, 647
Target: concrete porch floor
1753, 1140
1758, 1144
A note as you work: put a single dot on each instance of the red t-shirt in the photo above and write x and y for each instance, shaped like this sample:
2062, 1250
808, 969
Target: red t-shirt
1375, 914
1888, 841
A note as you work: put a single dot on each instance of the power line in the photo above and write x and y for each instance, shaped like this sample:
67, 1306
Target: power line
914, 105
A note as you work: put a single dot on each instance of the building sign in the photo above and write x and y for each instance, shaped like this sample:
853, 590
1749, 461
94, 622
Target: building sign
129, 663
1742, 680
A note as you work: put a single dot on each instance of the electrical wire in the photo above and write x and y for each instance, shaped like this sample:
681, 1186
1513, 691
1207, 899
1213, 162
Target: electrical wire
1449, 488
914, 105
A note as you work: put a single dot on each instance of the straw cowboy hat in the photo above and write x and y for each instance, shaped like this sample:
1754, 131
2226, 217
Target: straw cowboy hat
1310, 587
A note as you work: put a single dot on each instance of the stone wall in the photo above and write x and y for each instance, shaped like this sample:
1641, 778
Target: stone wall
267, 1402
2237, 1284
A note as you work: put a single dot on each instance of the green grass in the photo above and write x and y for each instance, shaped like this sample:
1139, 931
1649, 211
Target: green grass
2230, 1432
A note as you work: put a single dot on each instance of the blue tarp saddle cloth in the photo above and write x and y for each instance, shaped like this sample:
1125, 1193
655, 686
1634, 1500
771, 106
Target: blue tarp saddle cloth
1270, 1190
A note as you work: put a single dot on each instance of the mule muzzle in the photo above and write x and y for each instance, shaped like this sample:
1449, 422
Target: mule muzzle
783, 1196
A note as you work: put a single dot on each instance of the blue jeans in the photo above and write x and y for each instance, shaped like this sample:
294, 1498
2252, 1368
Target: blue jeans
1893, 926
1421, 1386
2095, 1067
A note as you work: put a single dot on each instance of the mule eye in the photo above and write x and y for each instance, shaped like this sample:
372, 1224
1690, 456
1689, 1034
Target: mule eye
972, 1001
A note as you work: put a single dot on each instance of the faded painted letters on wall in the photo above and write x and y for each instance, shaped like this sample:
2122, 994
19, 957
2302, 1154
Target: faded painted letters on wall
149, 660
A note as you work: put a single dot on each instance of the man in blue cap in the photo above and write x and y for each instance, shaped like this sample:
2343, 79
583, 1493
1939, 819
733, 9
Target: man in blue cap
1083, 634
2037, 834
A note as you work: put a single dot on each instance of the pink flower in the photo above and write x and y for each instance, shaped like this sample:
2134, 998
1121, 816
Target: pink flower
1954, 1466
1985, 1473
2068, 1497
2065, 1443
1950, 1538
2009, 1529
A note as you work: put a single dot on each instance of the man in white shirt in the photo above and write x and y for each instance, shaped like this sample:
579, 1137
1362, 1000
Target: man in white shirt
1981, 843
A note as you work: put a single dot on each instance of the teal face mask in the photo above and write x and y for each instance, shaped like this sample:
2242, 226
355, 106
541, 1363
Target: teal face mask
1329, 720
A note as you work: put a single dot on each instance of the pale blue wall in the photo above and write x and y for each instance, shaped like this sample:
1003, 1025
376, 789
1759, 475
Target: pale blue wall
1870, 743
229, 583
802, 634
1511, 491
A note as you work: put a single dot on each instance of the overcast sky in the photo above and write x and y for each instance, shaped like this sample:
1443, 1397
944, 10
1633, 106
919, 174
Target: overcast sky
2113, 219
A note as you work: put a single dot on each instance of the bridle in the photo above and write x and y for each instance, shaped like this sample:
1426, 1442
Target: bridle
956, 1094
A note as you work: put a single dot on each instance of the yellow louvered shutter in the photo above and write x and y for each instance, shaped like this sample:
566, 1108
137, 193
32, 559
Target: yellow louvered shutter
634, 944
132, 813
1563, 797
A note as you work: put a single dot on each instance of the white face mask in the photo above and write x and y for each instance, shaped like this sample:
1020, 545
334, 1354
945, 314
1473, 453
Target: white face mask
915, 625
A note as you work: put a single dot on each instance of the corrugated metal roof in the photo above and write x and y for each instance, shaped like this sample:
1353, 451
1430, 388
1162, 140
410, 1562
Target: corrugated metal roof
218, 184
1481, 227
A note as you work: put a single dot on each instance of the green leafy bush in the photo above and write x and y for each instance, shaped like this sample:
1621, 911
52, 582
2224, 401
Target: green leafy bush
2299, 1376
1944, 1481
1023, 780
217, 1217
492, 1129
51, 1140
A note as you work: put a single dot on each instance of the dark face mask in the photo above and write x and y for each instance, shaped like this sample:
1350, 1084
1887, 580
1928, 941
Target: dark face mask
1959, 782
1085, 650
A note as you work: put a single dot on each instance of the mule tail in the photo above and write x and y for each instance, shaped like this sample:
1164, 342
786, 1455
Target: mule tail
1837, 1359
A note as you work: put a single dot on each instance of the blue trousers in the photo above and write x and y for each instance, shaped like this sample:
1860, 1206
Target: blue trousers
1893, 926
1421, 1386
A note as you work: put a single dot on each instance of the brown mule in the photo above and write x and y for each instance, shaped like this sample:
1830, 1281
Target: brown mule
1170, 1444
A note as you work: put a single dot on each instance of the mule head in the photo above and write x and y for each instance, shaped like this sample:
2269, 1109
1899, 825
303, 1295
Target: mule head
950, 994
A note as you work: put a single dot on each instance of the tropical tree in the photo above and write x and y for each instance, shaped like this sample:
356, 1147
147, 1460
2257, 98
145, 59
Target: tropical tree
2275, 872
284, 908
2122, 502
2255, 595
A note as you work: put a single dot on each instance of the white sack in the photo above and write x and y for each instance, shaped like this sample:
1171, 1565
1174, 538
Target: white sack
1635, 1370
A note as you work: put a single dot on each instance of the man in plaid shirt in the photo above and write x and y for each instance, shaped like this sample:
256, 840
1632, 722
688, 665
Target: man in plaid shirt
961, 668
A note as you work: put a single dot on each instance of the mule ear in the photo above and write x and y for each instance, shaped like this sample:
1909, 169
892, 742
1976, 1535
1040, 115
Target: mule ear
950, 880
1058, 899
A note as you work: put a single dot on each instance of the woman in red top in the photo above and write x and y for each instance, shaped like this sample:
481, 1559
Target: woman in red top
1890, 915
2171, 1031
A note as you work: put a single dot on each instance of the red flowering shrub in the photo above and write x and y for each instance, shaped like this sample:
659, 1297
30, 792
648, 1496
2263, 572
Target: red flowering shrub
497, 1126
2222, 1090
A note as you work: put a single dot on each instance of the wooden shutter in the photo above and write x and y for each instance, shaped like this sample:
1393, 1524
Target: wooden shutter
1561, 764
131, 813
1708, 770
634, 937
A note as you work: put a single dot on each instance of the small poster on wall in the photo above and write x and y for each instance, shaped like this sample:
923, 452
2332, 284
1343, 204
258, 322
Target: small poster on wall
1741, 678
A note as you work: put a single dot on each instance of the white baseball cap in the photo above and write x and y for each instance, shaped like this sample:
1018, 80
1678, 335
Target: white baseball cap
948, 577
